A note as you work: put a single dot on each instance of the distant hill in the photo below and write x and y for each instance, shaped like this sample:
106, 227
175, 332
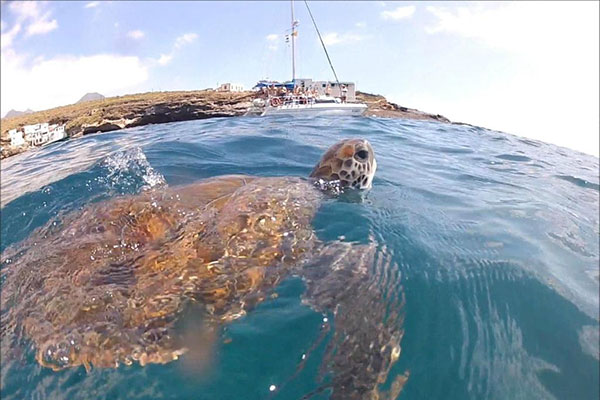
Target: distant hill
15, 113
90, 97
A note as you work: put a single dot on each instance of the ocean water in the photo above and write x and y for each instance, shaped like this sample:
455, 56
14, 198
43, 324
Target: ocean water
493, 239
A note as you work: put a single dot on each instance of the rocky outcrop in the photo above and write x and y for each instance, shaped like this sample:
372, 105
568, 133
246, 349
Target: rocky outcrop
105, 115
140, 114
145, 114
378, 106
109, 114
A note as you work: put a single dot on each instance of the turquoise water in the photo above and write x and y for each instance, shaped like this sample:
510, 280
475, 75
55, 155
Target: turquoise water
494, 241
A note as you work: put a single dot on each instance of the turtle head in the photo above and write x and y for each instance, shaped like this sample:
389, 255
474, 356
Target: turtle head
349, 161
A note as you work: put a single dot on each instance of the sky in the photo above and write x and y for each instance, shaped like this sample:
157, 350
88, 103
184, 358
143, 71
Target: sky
526, 68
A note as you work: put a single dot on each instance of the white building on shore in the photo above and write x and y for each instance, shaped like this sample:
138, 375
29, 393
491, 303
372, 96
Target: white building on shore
16, 138
37, 134
230, 87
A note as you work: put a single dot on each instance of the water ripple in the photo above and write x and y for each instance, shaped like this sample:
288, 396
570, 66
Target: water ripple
579, 182
493, 238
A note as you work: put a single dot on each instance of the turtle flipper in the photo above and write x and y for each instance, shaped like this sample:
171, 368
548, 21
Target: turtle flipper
357, 284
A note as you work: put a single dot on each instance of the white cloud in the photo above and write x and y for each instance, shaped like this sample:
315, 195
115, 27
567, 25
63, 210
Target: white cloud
136, 34
399, 13
510, 26
30, 14
334, 38
62, 80
165, 59
184, 39
180, 42
25, 9
361, 24
553, 95
42, 26
8, 37
273, 41
92, 4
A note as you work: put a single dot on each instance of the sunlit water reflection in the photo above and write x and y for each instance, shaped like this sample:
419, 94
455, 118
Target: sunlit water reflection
495, 239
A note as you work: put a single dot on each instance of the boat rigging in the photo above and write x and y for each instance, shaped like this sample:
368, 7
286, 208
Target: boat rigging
304, 97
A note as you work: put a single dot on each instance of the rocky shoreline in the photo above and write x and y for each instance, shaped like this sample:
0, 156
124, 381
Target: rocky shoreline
114, 113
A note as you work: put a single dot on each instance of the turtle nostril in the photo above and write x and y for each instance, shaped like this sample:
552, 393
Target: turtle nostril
362, 154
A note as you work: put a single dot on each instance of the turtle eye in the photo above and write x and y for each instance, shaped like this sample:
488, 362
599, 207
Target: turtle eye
362, 154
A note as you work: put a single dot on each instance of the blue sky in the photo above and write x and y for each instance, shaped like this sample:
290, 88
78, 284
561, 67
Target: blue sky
529, 69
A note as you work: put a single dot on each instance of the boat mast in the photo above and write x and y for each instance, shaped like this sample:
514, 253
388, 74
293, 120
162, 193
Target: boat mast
293, 46
322, 43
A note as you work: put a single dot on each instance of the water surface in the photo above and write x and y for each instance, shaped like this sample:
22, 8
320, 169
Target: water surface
494, 239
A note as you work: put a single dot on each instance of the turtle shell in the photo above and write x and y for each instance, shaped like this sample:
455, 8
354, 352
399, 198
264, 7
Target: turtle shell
106, 285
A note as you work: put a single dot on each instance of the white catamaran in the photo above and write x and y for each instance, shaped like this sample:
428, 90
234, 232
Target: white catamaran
301, 102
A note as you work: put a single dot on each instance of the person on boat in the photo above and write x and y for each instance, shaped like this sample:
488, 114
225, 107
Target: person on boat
328, 90
344, 93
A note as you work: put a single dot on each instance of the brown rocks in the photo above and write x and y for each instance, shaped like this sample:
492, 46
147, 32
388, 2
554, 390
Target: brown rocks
378, 106
120, 112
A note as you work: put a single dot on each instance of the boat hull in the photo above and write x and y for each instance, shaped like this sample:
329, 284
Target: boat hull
317, 109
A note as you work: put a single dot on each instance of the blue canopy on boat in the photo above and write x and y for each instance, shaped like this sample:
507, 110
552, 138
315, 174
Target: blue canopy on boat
261, 84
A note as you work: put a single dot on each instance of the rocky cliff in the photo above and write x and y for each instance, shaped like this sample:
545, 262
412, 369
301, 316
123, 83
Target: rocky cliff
378, 106
114, 113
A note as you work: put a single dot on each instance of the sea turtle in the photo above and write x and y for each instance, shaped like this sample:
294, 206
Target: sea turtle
105, 285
